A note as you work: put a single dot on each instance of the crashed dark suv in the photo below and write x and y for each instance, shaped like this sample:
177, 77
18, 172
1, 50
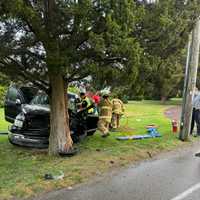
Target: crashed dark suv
28, 111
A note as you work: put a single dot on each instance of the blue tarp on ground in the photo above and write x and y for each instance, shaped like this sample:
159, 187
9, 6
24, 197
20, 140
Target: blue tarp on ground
151, 133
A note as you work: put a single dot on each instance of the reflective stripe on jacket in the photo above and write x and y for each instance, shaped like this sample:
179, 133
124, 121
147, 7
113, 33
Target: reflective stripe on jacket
105, 108
89, 103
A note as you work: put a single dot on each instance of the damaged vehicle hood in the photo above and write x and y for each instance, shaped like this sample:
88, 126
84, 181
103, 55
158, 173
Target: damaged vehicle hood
36, 109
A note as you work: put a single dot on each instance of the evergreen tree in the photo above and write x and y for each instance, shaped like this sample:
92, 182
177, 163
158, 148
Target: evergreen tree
56, 42
162, 30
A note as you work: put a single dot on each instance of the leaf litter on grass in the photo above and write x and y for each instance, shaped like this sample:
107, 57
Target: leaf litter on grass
96, 156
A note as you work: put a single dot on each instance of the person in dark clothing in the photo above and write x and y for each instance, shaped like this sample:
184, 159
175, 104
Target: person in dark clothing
192, 121
193, 111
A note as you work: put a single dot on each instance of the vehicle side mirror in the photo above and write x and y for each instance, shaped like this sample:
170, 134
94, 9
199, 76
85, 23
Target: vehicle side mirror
18, 102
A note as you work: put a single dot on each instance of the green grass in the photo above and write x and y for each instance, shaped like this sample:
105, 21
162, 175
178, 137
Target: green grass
3, 124
22, 170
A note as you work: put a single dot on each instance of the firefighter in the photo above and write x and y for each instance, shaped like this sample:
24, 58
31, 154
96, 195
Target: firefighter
117, 112
105, 113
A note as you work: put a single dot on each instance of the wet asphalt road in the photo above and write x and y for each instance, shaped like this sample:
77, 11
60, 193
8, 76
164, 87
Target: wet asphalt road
163, 178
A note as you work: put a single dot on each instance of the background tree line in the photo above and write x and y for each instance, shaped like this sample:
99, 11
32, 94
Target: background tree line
161, 30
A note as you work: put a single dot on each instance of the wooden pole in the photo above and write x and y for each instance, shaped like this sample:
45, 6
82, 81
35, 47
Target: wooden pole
185, 85
190, 82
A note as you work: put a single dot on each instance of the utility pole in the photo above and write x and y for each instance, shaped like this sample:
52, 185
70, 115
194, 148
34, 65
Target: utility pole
185, 86
190, 82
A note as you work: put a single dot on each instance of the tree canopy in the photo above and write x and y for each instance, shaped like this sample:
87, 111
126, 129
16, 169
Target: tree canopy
162, 30
66, 36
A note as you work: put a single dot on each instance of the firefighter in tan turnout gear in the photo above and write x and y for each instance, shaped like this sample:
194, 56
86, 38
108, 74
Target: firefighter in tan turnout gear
117, 112
105, 113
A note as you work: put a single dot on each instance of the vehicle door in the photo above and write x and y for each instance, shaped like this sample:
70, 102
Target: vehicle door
15, 97
13, 101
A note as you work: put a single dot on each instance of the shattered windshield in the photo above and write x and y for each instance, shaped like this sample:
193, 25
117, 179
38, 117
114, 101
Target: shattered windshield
41, 99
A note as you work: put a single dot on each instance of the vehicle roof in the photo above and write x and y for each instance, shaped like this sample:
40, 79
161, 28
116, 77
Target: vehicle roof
24, 87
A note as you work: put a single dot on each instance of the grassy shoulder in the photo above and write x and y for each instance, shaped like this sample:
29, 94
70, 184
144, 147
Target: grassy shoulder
22, 170
3, 124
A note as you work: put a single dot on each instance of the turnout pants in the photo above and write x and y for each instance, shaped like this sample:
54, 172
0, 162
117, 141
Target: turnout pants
103, 126
115, 120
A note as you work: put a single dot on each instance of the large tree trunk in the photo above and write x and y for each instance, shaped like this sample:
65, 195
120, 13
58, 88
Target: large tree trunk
60, 138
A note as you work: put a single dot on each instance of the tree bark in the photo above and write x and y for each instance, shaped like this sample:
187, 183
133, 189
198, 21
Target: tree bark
60, 138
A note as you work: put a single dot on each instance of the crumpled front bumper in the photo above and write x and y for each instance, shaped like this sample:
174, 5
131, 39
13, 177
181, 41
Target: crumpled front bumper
27, 140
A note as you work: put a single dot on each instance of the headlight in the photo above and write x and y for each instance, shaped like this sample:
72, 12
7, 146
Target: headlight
19, 120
